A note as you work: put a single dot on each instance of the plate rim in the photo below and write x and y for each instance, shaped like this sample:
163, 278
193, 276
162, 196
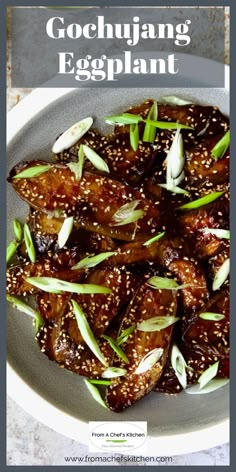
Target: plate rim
42, 409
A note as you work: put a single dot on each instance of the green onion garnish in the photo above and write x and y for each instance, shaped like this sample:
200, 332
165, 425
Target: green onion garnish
17, 227
149, 360
220, 233
21, 306
201, 201
122, 338
95, 159
113, 372
221, 147
163, 283
87, 333
92, 261
174, 189
221, 275
65, 231
167, 124
213, 385
123, 119
172, 100
135, 216
32, 172
11, 250
29, 243
211, 316
77, 167
134, 136
208, 374
149, 133
155, 238
95, 393
179, 365
127, 214
157, 323
99, 382
53, 285
116, 348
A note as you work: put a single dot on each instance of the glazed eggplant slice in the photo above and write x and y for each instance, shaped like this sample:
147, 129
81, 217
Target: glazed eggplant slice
148, 303
94, 199
56, 265
52, 306
168, 383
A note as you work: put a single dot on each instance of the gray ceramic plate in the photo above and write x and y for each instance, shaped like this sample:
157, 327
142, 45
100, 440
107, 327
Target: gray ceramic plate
57, 397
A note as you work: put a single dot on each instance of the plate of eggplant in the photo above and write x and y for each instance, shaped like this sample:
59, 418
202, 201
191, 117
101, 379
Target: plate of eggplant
118, 252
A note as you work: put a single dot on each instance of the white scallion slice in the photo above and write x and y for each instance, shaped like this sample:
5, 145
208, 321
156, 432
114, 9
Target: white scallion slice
11, 250
175, 158
72, 135
65, 231
179, 365
92, 261
127, 214
149, 360
53, 285
134, 136
208, 374
220, 233
87, 333
157, 323
149, 133
113, 372
122, 338
213, 385
154, 239
221, 147
95, 159
211, 197
17, 227
95, 393
173, 100
134, 216
174, 189
29, 243
211, 316
221, 275
123, 119
117, 349
24, 308
77, 167
32, 172
203, 130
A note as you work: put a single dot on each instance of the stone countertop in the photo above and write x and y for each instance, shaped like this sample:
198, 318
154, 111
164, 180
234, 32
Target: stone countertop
32, 443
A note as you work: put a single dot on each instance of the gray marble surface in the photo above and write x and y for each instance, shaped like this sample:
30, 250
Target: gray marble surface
32, 443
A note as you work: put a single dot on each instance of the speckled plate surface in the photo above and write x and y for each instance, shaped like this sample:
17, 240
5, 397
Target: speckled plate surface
176, 424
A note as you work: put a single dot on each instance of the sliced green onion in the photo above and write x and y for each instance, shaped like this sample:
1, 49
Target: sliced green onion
116, 348
149, 360
135, 216
113, 372
95, 393
157, 323
163, 283
53, 285
172, 100
87, 333
29, 243
167, 124
11, 250
17, 227
123, 119
221, 147
122, 338
220, 233
155, 238
77, 167
175, 159
134, 136
179, 365
65, 231
149, 133
208, 374
211, 316
174, 189
95, 159
99, 382
201, 201
221, 275
127, 214
92, 261
72, 135
213, 385
24, 308
32, 172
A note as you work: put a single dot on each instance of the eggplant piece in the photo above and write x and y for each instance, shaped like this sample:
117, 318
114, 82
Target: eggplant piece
215, 262
200, 356
168, 383
124, 391
53, 265
94, 200
52, 306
